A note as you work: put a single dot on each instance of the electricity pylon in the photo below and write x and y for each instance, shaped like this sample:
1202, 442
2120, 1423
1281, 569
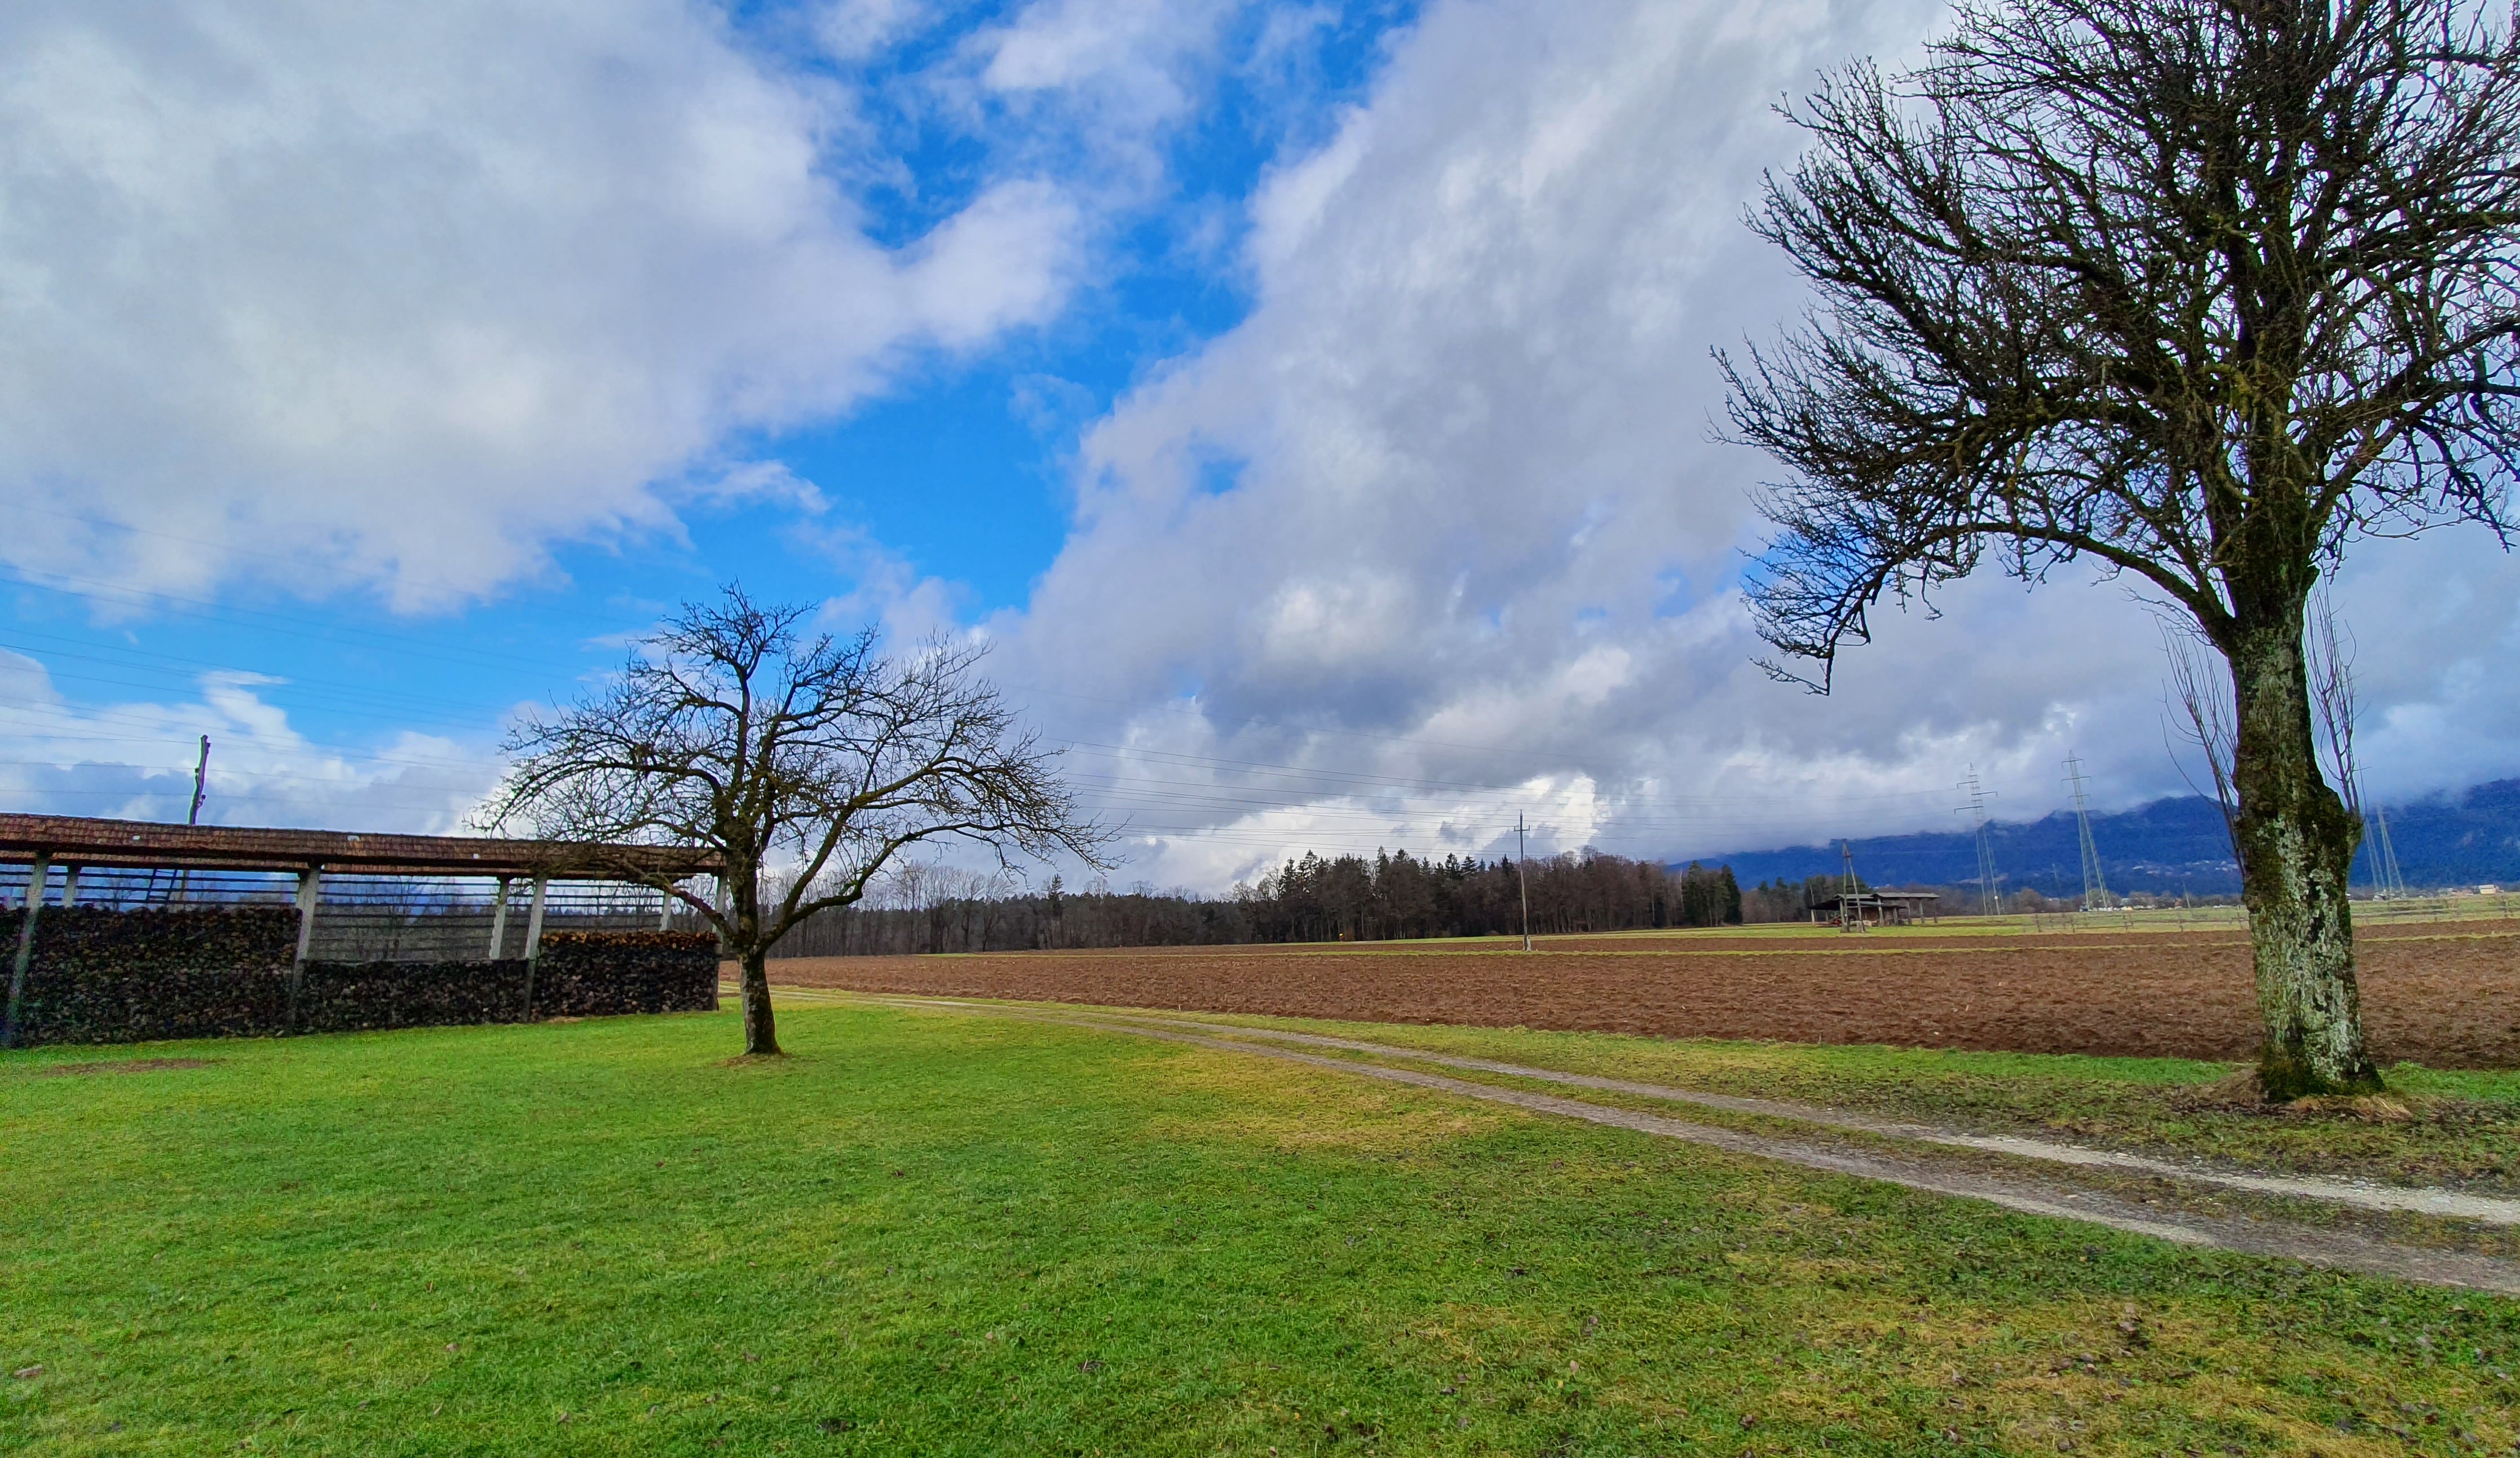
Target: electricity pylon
1989, 901
2388, 883
2096, 888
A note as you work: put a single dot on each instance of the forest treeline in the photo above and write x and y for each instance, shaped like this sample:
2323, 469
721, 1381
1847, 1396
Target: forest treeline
1343, 899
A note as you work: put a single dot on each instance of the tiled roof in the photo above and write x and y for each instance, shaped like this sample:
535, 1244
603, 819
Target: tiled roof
93, 842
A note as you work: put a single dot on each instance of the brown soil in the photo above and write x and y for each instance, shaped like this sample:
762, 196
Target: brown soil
125, 1066
2447, 995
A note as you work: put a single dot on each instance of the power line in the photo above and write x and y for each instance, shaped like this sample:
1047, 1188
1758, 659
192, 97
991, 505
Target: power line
1321, 796
300, 685
1341, 780
324, 630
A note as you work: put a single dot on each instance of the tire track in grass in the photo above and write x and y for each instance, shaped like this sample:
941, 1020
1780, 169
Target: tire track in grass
2338, 1250
2426, 1200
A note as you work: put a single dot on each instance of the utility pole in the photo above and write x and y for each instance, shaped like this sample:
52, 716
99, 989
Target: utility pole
201, 787
200, 783
1849, 918
1989, 901
2096, 889
1522, 878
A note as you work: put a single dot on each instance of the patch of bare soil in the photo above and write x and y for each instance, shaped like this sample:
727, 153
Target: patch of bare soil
2446, 996
124, 1066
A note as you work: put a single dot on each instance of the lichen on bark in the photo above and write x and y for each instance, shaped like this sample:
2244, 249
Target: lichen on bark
2296, 842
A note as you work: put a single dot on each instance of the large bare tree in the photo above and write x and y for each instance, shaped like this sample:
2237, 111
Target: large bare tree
2201, 291
809, 760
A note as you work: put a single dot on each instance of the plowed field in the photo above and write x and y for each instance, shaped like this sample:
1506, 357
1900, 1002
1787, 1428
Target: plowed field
2447, 995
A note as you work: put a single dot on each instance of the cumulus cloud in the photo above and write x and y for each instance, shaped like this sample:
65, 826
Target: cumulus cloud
352, 295
1440, 533
134, 761
1095, 90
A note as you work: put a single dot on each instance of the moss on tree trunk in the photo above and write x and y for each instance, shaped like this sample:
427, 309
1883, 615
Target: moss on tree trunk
2296, 843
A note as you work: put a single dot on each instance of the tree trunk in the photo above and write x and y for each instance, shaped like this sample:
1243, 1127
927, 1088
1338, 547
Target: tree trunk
2296, 843
760, 1034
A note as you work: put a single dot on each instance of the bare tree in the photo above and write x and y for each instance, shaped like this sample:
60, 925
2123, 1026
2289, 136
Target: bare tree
2201, 291
808, 761
2204, 704
2330, 653
2205, 721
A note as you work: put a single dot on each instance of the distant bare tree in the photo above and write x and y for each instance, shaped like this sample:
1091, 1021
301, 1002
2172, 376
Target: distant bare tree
2330, 653
2201, 291
808, 761
2204, 709
2203, 700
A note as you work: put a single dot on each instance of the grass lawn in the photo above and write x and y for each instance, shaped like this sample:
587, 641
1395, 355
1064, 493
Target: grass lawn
939, 1234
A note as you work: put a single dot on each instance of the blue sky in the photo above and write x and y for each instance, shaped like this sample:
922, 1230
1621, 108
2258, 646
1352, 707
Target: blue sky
952, 467
1309, 402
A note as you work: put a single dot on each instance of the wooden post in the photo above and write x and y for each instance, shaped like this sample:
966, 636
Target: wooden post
70, 886
664, 909
499, 921
310, 890
36, 875
534, 942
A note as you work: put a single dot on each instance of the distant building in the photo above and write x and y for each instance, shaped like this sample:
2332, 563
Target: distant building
1878, 908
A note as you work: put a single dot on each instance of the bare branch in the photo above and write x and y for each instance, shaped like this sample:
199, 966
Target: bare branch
2205, 720
2201, 291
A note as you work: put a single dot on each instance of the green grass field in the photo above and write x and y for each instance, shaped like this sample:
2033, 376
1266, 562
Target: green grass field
938, 1234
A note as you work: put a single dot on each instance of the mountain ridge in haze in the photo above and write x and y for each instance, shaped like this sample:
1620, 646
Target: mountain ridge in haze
2170, 846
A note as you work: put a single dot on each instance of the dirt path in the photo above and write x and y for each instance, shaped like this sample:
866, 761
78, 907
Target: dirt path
2430, 1200
2340, 1250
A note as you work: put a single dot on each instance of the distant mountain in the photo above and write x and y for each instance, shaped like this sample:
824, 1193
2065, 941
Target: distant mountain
2171, 846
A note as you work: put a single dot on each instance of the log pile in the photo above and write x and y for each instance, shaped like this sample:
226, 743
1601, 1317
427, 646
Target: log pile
102, 975
600, 974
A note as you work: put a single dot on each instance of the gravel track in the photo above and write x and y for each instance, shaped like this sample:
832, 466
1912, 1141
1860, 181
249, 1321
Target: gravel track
2427, 1200
2341, 1249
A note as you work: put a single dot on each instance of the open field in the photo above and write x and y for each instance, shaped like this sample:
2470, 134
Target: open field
932, 1233
2446, 994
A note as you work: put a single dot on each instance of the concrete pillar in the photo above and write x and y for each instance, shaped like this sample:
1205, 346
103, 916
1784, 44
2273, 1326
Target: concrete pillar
36, 875
499, 920
535, 919
664, 910
310, 890
535, 940
70, 886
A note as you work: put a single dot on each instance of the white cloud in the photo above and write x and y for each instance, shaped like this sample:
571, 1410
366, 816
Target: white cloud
348, 295
886, 589
134, 761
1442, 526
333, 296
1126, 53
857, 29
1100, 84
